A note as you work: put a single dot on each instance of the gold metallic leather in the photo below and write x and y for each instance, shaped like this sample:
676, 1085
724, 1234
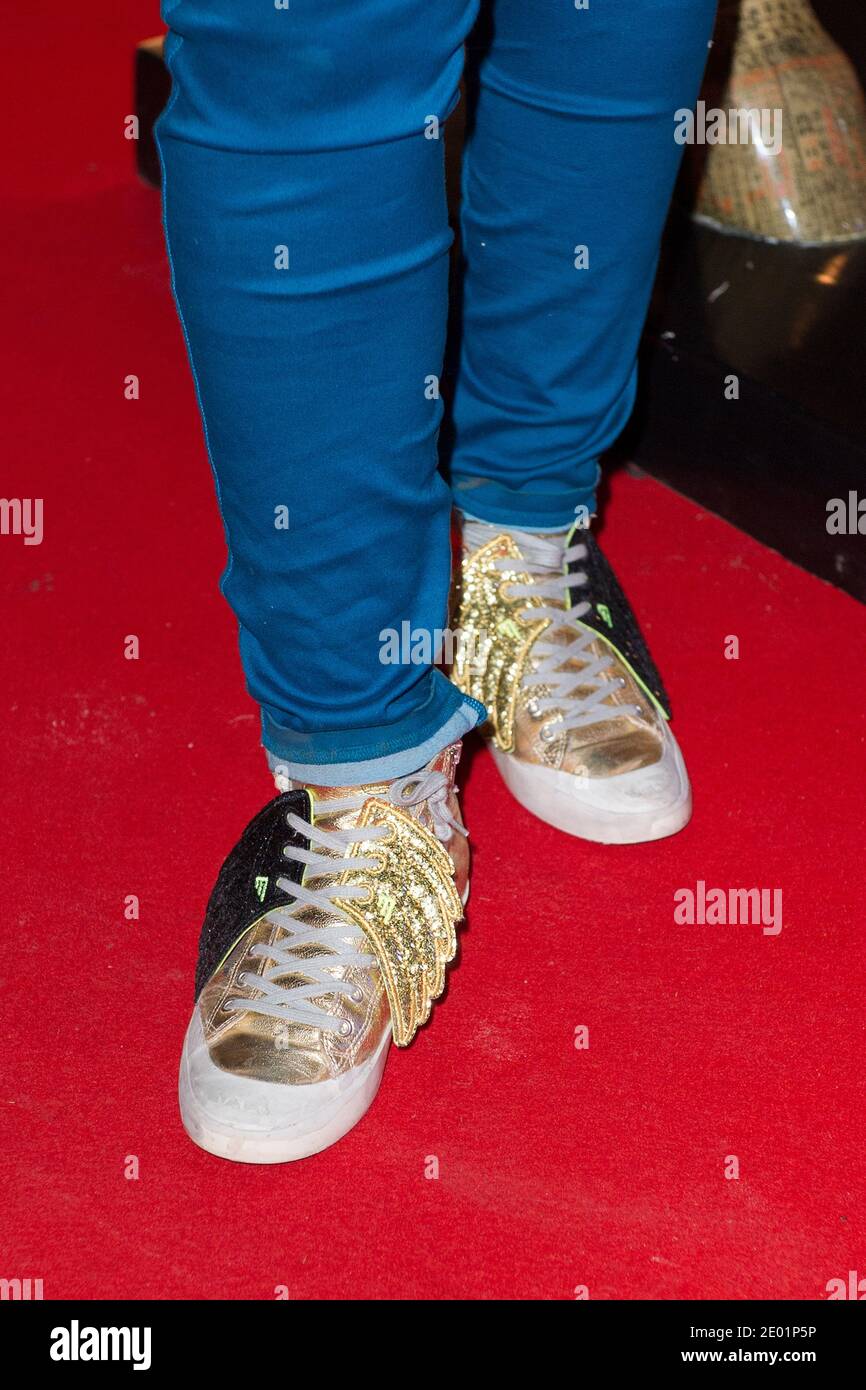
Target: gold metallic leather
269, 1049
496, 644
411, 913
494, 664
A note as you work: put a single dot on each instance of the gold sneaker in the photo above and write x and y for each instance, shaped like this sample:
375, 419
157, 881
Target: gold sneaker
577, 714
328, 930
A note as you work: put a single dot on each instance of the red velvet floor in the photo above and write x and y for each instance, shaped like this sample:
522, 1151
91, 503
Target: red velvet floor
558, 1167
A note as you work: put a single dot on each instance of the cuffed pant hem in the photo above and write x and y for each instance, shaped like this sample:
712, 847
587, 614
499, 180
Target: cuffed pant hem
356, 756
482, 500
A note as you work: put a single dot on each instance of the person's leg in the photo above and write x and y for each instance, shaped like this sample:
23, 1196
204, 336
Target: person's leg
306, 224
567, 178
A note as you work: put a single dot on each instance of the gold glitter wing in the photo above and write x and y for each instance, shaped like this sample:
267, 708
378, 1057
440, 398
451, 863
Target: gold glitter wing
495, 643
412, 912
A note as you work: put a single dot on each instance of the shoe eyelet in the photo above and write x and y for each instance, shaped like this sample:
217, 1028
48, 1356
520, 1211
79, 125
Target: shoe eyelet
546, 733
357, 996
346, 1028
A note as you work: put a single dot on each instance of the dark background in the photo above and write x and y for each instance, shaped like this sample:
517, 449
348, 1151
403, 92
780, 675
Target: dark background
796, 341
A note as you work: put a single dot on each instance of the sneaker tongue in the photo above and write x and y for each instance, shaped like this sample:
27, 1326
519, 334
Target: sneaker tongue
345, 819
543, 551
341, 819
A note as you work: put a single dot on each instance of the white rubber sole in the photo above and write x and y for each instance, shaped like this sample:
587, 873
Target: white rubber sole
630, 809
283, 1123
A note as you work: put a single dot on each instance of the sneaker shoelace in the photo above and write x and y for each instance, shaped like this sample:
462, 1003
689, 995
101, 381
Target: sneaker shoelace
548, 562
294, 1003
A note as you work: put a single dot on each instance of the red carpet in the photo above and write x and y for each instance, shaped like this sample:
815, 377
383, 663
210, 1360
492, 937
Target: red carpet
558, 1167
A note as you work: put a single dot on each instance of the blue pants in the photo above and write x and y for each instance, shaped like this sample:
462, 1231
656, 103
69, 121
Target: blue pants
305, 214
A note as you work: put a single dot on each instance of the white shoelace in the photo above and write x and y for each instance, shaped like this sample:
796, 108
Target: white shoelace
548, 562
293, 1003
